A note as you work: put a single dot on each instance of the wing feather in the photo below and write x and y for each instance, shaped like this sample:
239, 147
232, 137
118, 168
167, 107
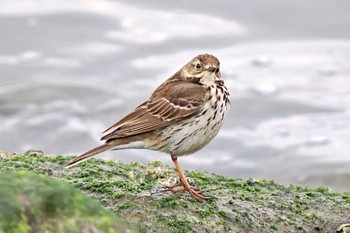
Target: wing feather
171, 102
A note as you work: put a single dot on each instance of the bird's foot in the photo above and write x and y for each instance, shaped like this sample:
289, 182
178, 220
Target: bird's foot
179, 187
184, 186
343, 228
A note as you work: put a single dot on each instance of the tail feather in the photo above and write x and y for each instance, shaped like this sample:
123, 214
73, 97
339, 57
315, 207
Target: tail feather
89, 154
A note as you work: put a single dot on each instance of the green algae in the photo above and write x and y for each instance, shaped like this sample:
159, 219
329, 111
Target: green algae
34, 203
132, 191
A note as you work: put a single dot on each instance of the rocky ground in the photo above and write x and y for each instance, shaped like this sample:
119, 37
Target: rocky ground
133, 193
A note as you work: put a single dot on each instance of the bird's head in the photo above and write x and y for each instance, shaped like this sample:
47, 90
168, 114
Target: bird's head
204, 69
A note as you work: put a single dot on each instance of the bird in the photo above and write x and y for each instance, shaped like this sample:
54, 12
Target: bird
180, 117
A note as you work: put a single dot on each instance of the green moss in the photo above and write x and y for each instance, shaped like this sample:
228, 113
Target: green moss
208, 209
241, 205
33, 203
167, 202
273, 227
126, 205
176, 224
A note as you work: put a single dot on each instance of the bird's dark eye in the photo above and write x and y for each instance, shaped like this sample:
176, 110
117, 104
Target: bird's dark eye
217, 70
198, 66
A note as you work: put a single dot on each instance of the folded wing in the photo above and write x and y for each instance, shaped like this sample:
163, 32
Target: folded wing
172, 102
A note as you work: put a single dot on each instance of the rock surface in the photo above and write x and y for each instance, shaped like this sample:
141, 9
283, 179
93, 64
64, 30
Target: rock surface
37, 203
133, 192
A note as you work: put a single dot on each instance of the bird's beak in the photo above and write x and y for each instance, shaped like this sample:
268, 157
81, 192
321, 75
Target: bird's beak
212, 69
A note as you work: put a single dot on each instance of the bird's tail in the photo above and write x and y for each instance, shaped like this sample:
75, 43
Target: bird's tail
89, 154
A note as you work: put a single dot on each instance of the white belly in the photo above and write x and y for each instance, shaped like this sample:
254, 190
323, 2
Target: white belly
197, 132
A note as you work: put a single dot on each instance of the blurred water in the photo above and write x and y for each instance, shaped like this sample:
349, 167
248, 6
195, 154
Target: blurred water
69, 69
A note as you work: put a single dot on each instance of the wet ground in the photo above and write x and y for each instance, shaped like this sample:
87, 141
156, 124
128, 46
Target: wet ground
69, 70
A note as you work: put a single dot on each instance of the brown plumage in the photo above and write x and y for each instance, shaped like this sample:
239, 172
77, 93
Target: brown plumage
182, 116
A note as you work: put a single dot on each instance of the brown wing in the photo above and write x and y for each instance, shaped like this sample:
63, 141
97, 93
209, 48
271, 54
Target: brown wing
173, 101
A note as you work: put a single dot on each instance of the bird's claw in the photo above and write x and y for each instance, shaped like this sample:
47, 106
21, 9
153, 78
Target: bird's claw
343, 228
193, 191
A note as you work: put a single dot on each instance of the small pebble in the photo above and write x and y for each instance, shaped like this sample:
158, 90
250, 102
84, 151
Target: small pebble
7, 154
35, 153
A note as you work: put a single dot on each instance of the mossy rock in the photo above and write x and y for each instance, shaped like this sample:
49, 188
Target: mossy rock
37, 203
133, 192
